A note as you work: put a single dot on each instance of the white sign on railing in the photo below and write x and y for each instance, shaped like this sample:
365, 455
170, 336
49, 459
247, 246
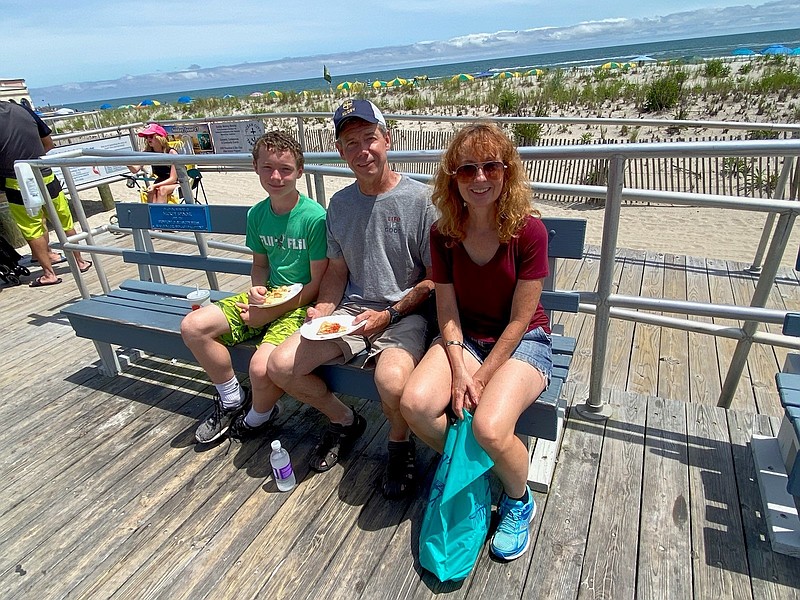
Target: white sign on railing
235, 137
95, 175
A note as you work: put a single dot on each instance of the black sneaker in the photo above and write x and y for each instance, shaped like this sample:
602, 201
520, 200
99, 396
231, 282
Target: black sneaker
336, 439
217, 424
241, 430
399, 477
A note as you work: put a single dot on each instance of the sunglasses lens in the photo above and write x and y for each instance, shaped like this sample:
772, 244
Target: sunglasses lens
467, 172
493, 170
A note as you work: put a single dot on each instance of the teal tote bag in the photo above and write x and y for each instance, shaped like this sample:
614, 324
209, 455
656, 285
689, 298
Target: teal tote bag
458, 513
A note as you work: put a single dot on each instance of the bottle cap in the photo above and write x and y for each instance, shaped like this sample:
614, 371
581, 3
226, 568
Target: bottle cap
276, 445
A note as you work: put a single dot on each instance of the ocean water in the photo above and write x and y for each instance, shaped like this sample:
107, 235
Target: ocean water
704, 47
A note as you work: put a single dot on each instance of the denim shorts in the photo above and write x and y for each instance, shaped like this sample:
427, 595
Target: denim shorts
535, 348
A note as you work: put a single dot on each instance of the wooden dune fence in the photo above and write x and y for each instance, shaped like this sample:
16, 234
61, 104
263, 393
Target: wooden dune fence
749, 177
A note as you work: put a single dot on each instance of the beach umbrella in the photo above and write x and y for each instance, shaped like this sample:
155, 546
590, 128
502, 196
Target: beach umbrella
126, 106
611, 65
148, 102
256, 94
643, 58
533, 72
345, 85
275, 94
105, 106
398, 81
506, 75
776, 49
743, 52
184, 100
419, 78
65, 111
796, 51
379, 84
462, 77
226, 96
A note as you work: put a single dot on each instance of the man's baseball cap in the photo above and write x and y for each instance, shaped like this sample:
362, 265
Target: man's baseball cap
153, 129
356, 109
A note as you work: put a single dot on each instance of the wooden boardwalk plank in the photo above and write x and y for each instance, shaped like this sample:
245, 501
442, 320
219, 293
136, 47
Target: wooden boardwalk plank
719, 560
665, 566
645, 364
609, 567
673, 365
705, 382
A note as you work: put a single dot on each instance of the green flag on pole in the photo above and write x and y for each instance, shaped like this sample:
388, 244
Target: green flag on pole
326, 74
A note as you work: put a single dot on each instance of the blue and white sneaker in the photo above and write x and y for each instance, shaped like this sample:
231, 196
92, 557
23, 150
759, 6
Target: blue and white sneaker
512, 537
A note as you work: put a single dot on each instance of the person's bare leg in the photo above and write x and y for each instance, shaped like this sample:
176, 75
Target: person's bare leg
200, 330
40, 250
392, 370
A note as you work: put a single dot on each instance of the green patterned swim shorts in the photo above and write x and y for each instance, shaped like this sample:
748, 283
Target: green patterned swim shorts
272, 333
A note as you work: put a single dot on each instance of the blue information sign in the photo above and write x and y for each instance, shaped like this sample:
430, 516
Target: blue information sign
180, 217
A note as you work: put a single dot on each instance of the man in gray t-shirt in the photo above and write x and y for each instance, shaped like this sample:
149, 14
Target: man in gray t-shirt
378, 273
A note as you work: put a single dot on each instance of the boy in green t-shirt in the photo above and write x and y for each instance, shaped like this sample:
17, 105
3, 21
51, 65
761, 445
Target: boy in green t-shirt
286, 233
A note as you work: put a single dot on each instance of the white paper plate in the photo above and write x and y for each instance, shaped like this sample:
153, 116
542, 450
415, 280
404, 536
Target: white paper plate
310, 330
293, 291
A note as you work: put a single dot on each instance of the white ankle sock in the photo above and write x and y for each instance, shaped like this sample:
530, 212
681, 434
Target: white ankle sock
255, 418
230, 393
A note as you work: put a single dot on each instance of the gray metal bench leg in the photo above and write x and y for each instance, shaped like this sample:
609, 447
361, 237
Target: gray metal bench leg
110, 366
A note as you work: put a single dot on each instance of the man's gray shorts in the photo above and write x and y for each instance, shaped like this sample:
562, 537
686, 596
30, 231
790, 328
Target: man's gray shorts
408, 334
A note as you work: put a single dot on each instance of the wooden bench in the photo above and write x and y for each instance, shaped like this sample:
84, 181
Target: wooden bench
145, 314
776, 458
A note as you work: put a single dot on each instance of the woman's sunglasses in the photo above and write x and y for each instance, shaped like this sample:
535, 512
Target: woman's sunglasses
494, 169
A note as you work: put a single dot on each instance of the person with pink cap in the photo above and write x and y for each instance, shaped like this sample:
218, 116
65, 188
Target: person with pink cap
166, 177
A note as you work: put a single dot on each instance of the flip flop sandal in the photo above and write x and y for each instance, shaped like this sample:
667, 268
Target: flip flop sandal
399, 477
87, 267
336, 439
39, 283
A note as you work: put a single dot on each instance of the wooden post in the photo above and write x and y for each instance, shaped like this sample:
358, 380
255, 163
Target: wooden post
106, 197
8, 227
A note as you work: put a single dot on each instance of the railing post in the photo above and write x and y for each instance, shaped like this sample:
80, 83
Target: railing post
765, 282
301, 138
77, 207
778, 194
594, 408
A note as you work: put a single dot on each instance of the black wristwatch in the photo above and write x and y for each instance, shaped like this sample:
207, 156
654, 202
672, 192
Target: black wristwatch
394, 315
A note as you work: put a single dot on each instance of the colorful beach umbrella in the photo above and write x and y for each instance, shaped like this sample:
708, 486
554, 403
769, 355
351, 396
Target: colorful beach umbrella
105, 106
226, 96
643, 58
345, 85
796, 51
611, 65
379, 84
743, 52
397, 81
776, 49
533, 72
462, 77
506, 75
184, 100
256, 95
275, 94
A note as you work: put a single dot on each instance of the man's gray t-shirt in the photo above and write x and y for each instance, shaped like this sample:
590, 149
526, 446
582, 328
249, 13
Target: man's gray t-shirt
384, 240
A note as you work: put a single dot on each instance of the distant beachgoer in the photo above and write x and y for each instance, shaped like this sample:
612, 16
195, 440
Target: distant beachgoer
23, 135
379, 252
166, 176
489, 253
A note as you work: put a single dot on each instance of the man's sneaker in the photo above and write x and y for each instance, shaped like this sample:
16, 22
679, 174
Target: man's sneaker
241, 430
217, 424
512, 536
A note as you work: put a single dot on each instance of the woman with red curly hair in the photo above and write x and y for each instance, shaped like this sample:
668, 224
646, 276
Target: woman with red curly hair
493, 358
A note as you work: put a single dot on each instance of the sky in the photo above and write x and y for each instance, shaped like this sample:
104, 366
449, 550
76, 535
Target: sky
56, 43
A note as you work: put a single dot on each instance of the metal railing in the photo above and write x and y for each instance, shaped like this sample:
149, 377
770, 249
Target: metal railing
602, 303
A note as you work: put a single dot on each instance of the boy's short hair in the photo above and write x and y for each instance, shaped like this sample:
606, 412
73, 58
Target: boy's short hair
279, 141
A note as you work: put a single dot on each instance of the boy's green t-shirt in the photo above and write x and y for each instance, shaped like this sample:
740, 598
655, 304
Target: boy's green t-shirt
290, 241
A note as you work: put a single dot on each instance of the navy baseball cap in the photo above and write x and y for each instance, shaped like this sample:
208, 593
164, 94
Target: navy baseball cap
356, 109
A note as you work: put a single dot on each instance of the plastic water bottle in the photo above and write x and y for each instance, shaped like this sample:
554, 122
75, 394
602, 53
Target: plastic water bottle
282, 467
